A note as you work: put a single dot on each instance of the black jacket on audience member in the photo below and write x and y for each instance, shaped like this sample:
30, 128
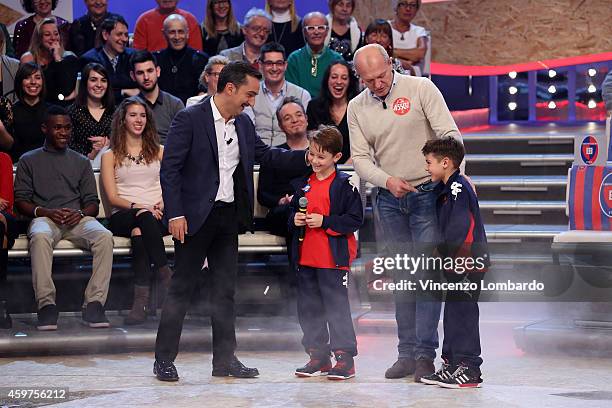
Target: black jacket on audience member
26, 126
318, 114
212, 46
61, 78
84, 33
182, 81
281, 33
120, 79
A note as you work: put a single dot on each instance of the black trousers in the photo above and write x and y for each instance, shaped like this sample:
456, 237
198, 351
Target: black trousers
324, 311
461, 316
217, 239
10, 232
146, 248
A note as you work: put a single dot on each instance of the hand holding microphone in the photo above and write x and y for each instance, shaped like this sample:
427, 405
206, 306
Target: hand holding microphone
300, 218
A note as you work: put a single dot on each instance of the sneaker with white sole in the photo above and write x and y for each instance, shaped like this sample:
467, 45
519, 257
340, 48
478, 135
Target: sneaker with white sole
463, 377
444, 372
318, 365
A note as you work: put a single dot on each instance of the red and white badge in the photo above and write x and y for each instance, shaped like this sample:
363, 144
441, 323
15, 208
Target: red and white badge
401, 106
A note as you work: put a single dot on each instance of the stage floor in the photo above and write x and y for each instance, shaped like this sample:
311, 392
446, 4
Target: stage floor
512, 378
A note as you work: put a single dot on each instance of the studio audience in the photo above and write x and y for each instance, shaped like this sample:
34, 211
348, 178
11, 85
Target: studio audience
180, 64
8, 233
24, 29
148, 33
273, 89
207, 84
344, 35
256, 27
84, 31
59, 66
339, 87
220, 29
29, 111
145, 71
55, 186
92, 113
8, 69
130, 178
409, 40
286, 25
305, 67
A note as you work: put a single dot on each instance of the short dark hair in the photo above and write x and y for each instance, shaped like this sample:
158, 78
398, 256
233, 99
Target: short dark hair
109, 23
28, 5
24, 71
142, 56
328, 137
272, 47
286, 101
55, 110
236, 72
108, 100
445, 147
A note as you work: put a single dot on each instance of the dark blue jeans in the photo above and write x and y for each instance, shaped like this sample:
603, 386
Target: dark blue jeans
409, 226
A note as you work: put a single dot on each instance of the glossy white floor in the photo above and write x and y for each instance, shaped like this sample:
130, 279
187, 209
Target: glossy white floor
512, 378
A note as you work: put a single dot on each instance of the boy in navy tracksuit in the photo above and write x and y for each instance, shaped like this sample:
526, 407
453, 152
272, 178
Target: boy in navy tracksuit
333, 213
462, 237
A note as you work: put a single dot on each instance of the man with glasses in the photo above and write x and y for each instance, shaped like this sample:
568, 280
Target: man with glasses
180, 64
389, 123
273, 89
306, 66
409, 40
256, 28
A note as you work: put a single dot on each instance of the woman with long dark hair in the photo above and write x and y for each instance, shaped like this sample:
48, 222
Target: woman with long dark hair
338, 87
24, 29
60, 66
220, 29
29, 110
92, 113
130, 179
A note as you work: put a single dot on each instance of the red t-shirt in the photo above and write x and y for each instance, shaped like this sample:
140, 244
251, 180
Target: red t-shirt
315, 251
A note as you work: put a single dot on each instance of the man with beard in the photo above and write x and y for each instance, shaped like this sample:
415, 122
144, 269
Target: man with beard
84, 30
145, 71
180, 64
306, 66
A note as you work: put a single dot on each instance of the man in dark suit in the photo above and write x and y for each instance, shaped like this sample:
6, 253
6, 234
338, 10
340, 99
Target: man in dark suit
114, 55
207, 184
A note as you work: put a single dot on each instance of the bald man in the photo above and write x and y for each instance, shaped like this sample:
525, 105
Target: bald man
180, 64
389, 122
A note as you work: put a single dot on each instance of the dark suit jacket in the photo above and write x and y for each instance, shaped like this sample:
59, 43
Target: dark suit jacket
119, 79
190, 167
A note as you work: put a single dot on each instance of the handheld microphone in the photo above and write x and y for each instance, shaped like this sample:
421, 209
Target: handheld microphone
303, 203
384, 105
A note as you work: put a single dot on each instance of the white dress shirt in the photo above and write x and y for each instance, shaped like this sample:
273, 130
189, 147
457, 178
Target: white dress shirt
229, 154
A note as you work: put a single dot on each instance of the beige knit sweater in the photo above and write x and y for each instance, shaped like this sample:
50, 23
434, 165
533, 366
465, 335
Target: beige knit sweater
388, 142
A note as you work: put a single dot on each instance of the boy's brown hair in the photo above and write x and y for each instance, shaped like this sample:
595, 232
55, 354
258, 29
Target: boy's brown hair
445, 147
328, 137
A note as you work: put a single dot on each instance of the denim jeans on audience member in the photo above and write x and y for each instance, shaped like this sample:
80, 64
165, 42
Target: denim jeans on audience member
409, 226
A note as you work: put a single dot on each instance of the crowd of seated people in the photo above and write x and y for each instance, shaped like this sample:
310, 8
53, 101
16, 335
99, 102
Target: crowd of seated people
76, 88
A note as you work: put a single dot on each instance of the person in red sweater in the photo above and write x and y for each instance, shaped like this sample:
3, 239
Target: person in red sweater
148, 34
8, 231
324, 253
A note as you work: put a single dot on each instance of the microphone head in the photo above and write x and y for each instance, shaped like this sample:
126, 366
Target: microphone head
303, 202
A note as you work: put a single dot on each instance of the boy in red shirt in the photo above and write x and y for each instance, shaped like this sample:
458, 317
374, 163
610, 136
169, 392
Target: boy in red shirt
324, 251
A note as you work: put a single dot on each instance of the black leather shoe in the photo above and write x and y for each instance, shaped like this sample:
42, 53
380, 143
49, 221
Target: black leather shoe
234, 369
165, 371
